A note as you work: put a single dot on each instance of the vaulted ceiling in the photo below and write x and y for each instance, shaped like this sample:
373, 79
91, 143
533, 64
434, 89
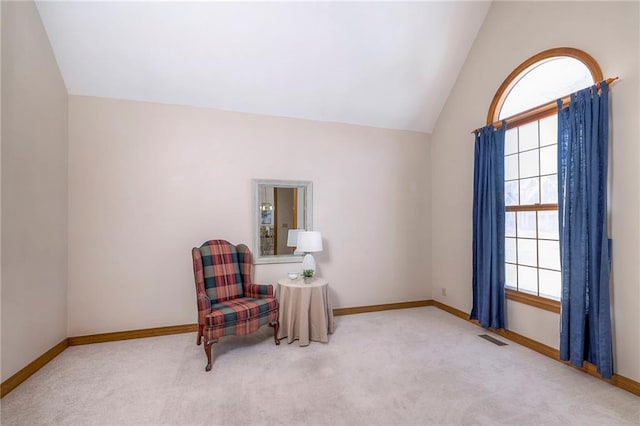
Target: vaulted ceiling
381, 64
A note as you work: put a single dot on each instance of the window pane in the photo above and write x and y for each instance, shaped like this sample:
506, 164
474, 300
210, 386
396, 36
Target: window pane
549, 130
529, 191
529, 164
540, 84
528, 136
511, 193
511, 276
549, 189
510, 250
548, 225
550, 284
510, 224
527, 252
511, 167
511, 141
549, 254
528, 279
527, 224
549, 160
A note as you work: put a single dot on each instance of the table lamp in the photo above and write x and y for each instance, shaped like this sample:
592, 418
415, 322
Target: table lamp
309, 242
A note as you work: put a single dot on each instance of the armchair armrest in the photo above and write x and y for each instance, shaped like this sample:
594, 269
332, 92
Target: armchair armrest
204, 307
258, 291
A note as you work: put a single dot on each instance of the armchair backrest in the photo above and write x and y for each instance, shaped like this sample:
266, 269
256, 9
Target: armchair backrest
245, 259
221, 270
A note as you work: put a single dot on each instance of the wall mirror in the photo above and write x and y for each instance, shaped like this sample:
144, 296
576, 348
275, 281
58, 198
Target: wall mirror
279, 205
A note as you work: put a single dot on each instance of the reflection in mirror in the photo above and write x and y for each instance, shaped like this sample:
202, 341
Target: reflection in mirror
279, 206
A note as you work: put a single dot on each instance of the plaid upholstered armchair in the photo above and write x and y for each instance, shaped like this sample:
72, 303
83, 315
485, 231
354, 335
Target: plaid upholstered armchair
228, 301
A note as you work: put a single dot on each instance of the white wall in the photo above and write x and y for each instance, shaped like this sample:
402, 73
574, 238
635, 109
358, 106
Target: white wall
34, 191
147, 182
511, 33
1, 374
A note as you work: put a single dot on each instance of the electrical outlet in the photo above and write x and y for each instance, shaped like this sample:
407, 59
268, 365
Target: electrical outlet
444, 291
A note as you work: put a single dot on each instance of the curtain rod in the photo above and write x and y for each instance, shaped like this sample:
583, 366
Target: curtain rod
549, 106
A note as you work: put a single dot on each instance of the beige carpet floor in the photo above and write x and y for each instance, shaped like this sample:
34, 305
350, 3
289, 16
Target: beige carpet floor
412, 366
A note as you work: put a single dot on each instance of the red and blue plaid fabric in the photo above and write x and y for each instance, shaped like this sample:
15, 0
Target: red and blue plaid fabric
204, 305
245, 258
240, 316
221, 271
239, 310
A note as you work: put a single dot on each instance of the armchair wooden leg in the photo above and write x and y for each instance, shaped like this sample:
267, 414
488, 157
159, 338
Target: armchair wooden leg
200, 333
207, 350
276, 327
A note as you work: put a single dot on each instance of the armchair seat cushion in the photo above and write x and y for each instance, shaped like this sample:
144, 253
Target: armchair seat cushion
240, 316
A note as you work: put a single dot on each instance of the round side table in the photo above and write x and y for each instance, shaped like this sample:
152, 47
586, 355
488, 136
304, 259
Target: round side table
305, 311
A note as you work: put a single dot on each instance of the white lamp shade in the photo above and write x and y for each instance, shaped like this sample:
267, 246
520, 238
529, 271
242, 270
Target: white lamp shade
309, 241
292, 237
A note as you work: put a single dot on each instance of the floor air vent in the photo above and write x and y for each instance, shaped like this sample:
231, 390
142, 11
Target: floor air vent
492, 340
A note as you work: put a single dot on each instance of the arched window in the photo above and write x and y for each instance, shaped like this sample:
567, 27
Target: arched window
526, 99
542, 78
545, 81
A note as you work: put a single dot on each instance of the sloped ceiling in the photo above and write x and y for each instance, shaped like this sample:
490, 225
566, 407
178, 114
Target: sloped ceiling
381, 64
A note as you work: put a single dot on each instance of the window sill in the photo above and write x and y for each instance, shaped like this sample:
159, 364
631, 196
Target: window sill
535, 301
